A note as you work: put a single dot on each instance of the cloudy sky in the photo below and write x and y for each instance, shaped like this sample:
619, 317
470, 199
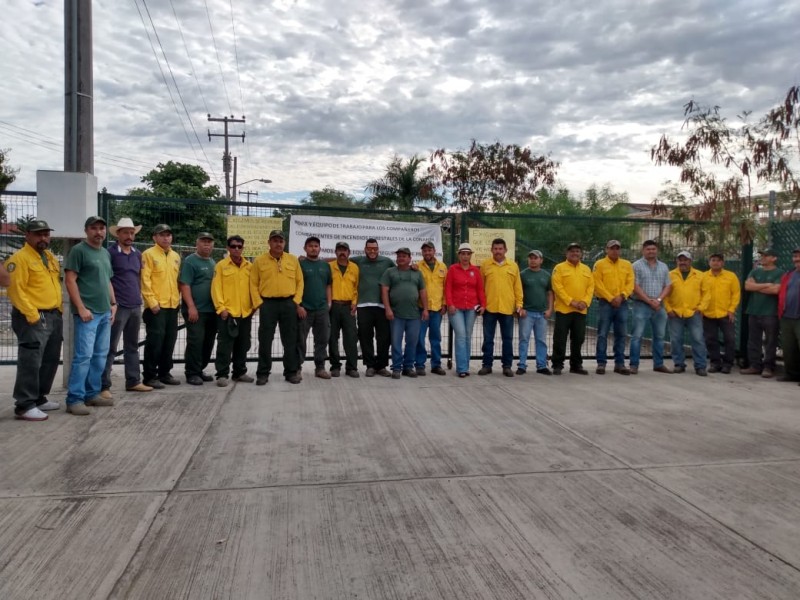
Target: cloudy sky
331, 89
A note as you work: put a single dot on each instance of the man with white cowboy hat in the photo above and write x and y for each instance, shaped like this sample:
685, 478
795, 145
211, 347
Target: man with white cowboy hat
126, 262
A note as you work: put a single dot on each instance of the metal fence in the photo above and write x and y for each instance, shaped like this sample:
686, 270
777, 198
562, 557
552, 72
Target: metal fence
549, 234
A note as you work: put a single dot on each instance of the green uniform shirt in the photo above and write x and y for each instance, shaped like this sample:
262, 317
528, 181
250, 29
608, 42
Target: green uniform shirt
764, 304
197, 273
316, 278
404, 287
535, 285
369, 279
93, 267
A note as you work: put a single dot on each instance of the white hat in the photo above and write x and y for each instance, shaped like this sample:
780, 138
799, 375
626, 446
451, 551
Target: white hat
465, 246
124, 222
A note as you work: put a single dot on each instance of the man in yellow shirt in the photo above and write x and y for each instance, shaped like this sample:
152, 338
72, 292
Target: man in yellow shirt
613, 285
160, 268
573, 287
344, 298
434, 272
276, 284
35, 294
683, 314
230, 292
503, 289
721, 292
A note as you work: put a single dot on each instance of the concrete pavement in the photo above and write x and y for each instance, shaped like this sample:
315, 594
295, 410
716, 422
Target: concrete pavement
651, 486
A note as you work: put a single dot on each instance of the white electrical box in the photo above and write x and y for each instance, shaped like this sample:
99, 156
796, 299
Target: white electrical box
65, 200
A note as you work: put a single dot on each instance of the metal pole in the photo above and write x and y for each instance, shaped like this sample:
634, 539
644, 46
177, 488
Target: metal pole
772, 201
235, 197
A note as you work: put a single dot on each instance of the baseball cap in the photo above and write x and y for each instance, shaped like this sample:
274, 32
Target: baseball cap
403, 250
93, 220
204, 235
768, 252
535, 253
161, 228
718, 255
276, 233
685, 254
612, 243
344, 245
38, 225
574, 245
428, 245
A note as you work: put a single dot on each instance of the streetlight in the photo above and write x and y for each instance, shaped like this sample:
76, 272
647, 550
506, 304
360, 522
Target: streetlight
237, 185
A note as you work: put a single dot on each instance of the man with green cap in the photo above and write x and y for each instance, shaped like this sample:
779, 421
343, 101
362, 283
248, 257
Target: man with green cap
194, 283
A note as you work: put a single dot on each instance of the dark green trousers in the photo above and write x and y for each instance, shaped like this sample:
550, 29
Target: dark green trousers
344, 322
200, 338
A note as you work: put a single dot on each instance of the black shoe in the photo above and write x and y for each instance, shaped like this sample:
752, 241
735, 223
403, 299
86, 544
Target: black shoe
485, 371
336, 372
206, 377
579, 371
384, 372
726, 370
410, 373
544, 371
679, 370
154, 383
508, 372
353, 373
701, 372
296, 378
557, 370
194, 380
714, 369
169, 380
262, 379
521, 371
438, 371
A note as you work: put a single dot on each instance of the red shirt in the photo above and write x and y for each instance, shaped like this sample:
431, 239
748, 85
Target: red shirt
464, 287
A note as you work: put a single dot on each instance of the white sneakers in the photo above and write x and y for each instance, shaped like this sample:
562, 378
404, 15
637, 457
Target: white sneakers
49, 405
32, 414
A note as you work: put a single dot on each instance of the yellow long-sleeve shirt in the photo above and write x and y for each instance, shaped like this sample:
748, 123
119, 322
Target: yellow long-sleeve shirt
721, 294
273, 278
572, 282
613, 278
230, 288
434, 283
502, 285
34, 286
344, 288
159, 277
685, 296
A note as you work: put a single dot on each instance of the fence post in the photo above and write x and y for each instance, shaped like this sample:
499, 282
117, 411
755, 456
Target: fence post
744, 270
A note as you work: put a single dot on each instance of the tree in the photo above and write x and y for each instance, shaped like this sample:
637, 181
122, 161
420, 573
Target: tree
720, 163
329, 197
493, 177
175, 181
403, 187
7, 174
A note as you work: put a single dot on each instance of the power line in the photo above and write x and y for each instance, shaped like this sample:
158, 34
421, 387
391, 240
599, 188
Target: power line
219, 62
188, 55
236, 55
175, 83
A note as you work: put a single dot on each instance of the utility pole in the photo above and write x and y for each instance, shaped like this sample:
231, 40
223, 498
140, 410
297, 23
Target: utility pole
226, 157
248, 194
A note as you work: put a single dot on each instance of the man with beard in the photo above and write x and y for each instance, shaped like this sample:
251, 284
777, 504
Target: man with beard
573, 287
651, 285
344, 298
763, 283
683, 314
435, 274
126, 262
35, 294
197, 309
313, 311
721, 292
88, 282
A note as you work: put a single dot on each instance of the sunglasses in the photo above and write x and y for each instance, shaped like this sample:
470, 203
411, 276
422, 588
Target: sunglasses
235, 246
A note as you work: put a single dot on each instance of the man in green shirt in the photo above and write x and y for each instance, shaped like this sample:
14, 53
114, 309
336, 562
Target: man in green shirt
403, 292
88, 282
197, 308
537, 306
763, 284
313, 310
372, 322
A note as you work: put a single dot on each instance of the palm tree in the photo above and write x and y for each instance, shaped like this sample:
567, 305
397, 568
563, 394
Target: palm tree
402, 188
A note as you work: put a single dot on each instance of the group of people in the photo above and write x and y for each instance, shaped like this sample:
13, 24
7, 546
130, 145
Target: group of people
389, 308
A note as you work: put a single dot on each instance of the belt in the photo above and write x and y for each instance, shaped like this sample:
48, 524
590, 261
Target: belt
277, 298
41, 310
347, 302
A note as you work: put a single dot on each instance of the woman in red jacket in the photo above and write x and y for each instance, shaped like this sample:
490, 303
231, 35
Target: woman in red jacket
465, 300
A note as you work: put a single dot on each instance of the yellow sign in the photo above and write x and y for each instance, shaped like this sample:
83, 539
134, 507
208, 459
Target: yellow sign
255, 231
481, 242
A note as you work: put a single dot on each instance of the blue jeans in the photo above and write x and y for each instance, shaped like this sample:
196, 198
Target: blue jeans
434, 325
490, 321
694, 325
607, 316
403, 359
462, 322
642, 315
534, 321
92, 340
